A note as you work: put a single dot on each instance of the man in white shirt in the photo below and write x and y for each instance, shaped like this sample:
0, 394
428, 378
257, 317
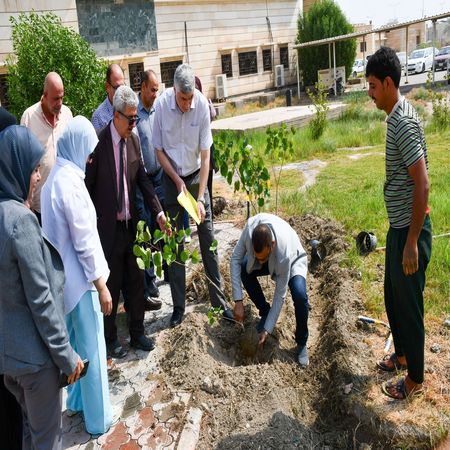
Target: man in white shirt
182, 139
47, 119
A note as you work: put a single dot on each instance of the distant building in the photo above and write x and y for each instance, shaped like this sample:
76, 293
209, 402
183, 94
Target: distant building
442, 33
417, 35
243, 40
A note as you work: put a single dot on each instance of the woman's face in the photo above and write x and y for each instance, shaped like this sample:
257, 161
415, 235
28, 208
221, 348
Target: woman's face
34, 180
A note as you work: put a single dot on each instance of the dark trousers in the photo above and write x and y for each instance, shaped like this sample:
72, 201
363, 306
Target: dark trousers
177, 271
10, 420
39, 396
403, 298
297, 286
125, 271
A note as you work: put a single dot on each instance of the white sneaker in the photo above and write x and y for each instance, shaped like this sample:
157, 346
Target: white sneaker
302, 356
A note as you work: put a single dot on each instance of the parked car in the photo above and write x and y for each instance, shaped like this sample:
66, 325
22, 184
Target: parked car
442, 58
358, 67
420, 60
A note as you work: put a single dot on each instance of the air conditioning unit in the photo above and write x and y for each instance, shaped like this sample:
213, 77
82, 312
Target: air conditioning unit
221, 86
279, 75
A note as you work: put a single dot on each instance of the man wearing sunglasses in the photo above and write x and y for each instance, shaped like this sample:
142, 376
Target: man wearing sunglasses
104, 113
113, 173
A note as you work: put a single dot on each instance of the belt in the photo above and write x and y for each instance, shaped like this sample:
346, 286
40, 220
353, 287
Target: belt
191, 176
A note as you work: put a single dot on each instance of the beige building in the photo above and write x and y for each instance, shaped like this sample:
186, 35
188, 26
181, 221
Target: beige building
238, 46
417, 35
395, 39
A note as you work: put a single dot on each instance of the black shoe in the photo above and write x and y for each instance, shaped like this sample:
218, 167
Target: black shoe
152, 289
115, 350
176, 319
228, 315
142, 343
152, 304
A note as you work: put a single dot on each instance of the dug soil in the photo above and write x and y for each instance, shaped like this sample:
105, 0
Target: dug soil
259, 398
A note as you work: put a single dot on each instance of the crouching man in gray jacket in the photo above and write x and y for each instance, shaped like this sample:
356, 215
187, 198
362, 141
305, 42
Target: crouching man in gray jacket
270, 246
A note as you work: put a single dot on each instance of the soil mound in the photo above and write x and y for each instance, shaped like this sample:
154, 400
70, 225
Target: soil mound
257, 398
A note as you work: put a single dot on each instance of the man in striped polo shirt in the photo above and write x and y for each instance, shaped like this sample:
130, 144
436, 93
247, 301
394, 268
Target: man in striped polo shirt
408, 242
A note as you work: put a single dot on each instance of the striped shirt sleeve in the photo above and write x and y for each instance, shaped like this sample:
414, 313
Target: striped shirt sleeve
409, 140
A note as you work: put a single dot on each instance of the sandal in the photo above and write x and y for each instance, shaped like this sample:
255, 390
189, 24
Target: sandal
390, 363
396, 389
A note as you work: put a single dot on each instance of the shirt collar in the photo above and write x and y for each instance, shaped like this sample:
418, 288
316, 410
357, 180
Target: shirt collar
142, 108
400, 100
115, 134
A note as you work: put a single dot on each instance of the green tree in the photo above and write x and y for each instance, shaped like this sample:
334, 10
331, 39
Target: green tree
42, 44
325, 19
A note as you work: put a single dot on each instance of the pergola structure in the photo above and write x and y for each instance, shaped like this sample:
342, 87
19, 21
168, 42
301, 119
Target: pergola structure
331, 42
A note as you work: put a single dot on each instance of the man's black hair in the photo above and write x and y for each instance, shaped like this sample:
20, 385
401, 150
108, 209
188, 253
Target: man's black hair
261, 237
385, 63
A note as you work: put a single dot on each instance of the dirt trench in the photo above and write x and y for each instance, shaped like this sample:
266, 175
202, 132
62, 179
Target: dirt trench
260, 398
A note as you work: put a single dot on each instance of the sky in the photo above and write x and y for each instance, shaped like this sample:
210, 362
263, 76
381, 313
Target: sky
383, 11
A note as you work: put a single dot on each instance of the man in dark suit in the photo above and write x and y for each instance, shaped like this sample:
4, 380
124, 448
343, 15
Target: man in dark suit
112, 174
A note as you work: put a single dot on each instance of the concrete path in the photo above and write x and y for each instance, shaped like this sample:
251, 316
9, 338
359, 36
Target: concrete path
152, 415
292, 115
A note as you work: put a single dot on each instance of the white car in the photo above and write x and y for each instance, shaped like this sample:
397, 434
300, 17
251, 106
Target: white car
420, 60
358, 67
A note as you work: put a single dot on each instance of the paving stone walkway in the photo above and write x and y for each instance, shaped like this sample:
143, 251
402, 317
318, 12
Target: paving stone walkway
153, 415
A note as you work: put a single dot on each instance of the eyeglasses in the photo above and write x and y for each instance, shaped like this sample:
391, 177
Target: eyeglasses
115, 87
131, 119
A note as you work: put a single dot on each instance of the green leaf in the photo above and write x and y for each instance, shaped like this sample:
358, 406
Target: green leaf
195, 257
214, 245
139, 251
184, 256
157, 259
140, 263
157, 236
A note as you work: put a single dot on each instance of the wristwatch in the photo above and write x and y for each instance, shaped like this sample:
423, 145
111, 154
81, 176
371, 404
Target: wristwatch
201, 199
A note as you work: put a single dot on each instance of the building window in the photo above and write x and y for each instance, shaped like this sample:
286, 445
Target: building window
284, 57
227, 65
267, 59
363, 46
4, 90
418, 39
168, 71
135, 71
248, 63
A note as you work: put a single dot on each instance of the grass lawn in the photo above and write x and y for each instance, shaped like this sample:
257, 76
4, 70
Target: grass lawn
350, 191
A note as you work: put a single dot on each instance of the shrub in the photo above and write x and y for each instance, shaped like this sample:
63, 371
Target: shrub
42, 44
319, 99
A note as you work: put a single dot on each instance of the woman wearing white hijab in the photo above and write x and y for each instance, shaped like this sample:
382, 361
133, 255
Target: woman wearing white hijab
70, 223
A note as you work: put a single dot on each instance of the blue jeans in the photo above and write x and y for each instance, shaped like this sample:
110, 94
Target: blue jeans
297, 286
